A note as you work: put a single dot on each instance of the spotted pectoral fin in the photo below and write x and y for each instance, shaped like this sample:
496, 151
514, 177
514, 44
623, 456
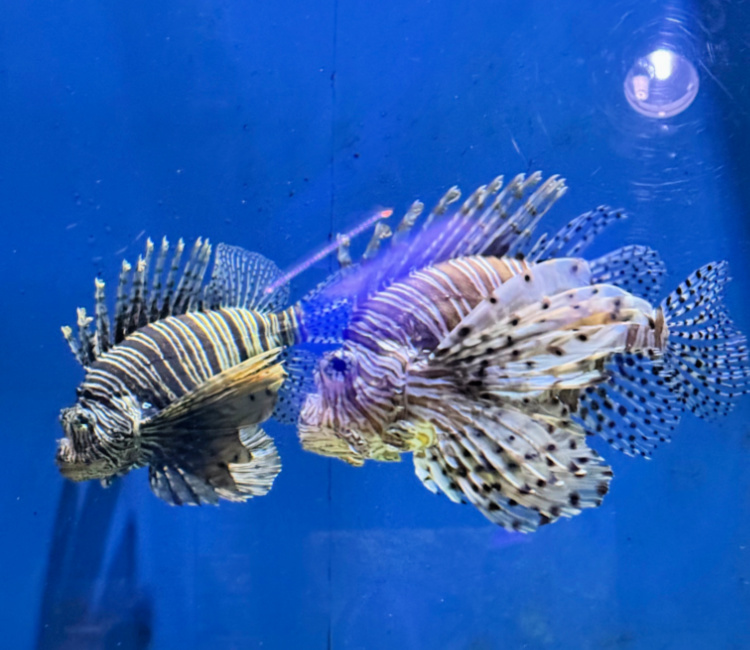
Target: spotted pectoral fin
241, 395
520, 470
235, 467
525, 290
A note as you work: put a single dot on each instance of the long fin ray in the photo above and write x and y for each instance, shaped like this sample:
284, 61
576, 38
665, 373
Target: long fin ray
479, 226
706, 358
519, 469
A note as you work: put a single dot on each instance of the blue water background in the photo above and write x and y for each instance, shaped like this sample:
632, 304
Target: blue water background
272, 125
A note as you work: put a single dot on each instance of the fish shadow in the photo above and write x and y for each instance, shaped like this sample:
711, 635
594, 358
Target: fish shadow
87, 605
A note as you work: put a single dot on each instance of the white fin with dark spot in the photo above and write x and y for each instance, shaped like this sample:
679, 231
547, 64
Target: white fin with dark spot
634, 410
521, 470
703, 369
531, 288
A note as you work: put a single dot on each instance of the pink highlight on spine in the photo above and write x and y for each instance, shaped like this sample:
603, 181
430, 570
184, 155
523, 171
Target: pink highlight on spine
327, 250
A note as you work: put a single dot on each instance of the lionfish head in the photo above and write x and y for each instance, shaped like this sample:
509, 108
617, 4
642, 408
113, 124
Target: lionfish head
79, 454
341, 420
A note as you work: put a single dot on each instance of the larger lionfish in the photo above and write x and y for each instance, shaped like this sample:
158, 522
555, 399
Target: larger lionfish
492, 358
185, 374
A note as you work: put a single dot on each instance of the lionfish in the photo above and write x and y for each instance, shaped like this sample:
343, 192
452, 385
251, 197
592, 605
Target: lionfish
187, 372
492, 358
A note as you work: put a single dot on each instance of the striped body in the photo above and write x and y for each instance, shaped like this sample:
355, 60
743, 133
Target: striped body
162, 362
429, 303
371, 389
169, 358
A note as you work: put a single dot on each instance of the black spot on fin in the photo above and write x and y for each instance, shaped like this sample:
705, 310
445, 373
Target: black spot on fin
637, 269
576, 236
635, 411
326, 311
241, 278
519, 469
706, 356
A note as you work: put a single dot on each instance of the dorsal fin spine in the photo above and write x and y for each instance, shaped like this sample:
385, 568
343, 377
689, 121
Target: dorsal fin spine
166, 308
138, 314
408, 221
102, 318
183, 286
84, 337
153, 308
120, 307
382, 231
196, 281
75, 348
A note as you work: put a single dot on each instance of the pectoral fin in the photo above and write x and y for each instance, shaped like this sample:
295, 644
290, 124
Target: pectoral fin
242, 395
235, 467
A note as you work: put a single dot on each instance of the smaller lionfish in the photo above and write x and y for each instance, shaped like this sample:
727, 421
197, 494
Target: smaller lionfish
187, 374
492, 358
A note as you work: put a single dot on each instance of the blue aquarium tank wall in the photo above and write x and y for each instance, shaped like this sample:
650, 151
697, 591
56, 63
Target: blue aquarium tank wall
273, 126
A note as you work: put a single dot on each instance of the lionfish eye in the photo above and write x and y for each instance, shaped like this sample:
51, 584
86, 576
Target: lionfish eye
336, 366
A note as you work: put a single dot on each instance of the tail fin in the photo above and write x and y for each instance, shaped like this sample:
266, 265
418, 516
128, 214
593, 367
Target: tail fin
706, 357
704, 367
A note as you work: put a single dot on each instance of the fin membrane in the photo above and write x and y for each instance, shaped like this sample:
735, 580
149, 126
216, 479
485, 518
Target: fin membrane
326, 311
241, 466
160, 286
207, 445
706, 361
245, 279
299, 365
520, 470
634, 410
575, 237
241, 395
637, 269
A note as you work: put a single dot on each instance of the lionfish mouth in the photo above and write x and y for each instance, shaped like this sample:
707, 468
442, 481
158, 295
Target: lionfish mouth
72, 467
325, 441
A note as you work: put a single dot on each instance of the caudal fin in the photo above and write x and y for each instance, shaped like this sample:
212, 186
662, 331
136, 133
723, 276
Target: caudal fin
706, 357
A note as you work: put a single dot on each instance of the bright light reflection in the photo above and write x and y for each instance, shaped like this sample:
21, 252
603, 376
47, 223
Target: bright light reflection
663, 62
661, 84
